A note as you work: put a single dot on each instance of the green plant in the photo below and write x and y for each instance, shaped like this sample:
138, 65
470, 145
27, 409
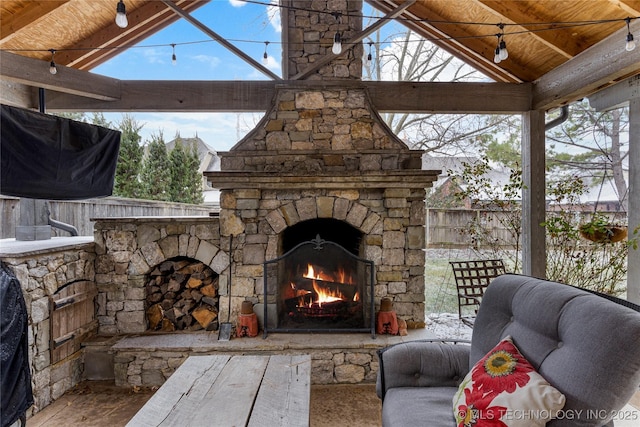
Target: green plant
597, 265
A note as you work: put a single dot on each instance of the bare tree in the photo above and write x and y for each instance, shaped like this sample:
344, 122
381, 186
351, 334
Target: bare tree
594, 144
406, 57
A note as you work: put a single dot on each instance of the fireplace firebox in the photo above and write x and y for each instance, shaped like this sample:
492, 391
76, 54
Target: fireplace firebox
320, 286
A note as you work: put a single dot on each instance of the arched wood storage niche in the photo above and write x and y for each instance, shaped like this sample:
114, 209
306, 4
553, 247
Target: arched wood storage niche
182, 295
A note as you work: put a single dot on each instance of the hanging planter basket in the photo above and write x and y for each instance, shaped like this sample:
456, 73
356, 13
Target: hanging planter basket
603, 233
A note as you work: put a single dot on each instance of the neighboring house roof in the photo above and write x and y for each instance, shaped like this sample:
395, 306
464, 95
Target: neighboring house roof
209, 159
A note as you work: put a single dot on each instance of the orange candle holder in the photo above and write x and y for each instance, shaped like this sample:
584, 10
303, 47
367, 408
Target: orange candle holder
247, 325
387, 323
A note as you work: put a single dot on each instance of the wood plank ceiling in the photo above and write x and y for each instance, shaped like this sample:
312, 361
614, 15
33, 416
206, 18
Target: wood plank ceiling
541, 35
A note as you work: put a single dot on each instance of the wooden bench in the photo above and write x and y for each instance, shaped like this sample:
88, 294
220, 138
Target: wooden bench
229, 390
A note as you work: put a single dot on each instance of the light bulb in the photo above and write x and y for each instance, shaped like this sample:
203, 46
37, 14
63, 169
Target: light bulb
337, 44
265, 59
52, 68
121, 15
503, 50
496, 57
369, 58
631, 44
174, 60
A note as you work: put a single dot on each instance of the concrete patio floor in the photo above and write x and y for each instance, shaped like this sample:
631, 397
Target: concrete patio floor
101, 404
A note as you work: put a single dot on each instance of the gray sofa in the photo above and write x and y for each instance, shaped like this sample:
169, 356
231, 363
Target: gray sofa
584, 344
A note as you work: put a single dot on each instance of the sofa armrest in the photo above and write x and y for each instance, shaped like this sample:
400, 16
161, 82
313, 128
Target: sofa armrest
424, 363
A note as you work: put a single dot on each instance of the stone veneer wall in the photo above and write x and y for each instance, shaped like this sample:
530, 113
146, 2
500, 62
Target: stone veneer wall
128, 248
41, 273
312, 27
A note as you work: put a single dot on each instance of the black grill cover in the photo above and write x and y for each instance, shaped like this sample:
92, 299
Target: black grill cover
48, 157
15, 377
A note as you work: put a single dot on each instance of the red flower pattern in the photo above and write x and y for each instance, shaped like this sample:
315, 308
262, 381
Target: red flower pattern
502, 369
479, 413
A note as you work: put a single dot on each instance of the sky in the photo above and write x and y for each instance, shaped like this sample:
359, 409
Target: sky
198, 57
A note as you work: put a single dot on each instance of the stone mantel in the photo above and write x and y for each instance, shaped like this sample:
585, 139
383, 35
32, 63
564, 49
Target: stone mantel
414, 179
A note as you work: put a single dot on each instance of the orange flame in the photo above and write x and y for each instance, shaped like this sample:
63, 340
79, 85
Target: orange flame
340, 276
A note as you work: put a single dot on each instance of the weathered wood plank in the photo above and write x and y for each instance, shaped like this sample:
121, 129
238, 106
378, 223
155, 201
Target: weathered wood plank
232, 391
283, 399
230, 401
185, 389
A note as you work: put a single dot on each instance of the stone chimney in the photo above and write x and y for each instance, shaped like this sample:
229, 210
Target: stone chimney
313, 25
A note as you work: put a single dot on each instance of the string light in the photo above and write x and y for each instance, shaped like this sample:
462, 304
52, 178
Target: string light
121, 15
500, 52
369, 56
337, 44
630, 45
337, 39
496, 57
174, 59
52, 65
265, 57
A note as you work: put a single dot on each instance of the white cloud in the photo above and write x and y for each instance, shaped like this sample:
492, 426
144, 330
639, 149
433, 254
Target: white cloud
220, 131
237, 3
212, 61
273, 12
155, 56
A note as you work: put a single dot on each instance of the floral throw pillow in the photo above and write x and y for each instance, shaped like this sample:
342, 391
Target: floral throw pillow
504, 389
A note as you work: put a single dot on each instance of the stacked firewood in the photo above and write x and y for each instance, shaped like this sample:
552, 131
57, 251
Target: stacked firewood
182, 294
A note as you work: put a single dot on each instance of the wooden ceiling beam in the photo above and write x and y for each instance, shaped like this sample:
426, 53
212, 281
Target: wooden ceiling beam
629, 6
109, 41
256, 96
602, 65
32, 14
34, 72
513, 13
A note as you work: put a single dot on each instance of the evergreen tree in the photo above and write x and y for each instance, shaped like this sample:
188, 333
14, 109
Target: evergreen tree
194, 183
179, 172
186, 181
127, 179
99, 120
156, 172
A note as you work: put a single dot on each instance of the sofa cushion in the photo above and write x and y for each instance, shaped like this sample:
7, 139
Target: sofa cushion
504, 386
418, 406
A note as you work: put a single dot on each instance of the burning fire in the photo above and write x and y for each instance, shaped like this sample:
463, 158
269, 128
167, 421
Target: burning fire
339, 277
324, 294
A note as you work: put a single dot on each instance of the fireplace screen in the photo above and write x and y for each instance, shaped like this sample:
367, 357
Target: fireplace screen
319, 286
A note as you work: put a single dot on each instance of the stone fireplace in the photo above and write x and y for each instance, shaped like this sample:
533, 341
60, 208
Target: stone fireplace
323, 163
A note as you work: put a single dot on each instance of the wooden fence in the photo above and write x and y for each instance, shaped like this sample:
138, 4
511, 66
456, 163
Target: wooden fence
449, 228
446, 228
79, 213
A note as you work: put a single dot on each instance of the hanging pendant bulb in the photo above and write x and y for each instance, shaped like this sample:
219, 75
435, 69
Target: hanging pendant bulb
369, 56
121, 15
631, 44
52, 65
337, 44
265, 56
496, 57
503, 50
174, 59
